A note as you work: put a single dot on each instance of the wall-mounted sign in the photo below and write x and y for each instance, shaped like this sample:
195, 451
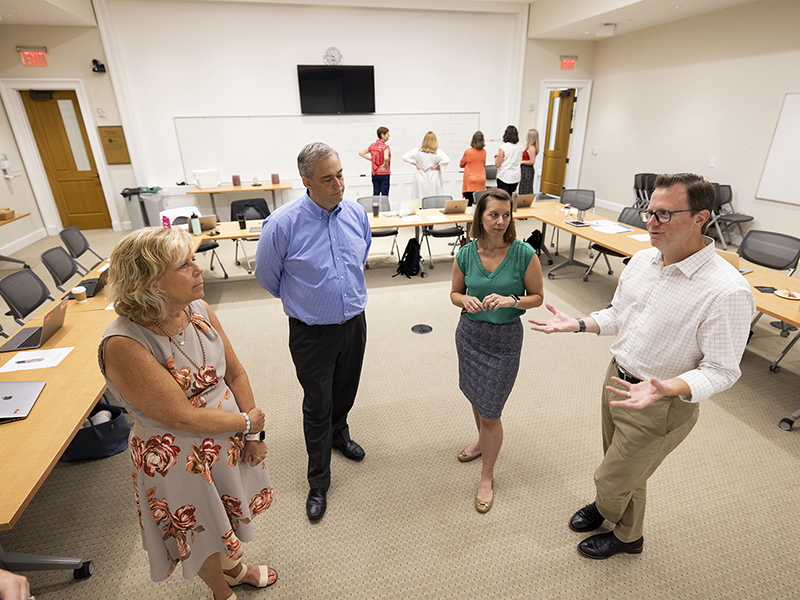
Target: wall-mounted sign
568, 62
33, 57
114, 145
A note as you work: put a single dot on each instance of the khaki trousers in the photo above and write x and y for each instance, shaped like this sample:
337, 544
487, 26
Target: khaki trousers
635, 442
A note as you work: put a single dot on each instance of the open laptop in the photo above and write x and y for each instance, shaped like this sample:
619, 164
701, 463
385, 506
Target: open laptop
30, 338
525, 200
455, 207
409, 207
17, 399
733, 258
208, 223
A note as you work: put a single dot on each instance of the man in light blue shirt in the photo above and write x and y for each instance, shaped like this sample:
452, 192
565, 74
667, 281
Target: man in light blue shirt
311, 255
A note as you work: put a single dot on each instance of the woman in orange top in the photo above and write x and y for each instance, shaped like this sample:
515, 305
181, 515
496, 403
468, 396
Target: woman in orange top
473, 163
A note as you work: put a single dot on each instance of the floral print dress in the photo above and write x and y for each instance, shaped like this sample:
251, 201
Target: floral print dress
194, 495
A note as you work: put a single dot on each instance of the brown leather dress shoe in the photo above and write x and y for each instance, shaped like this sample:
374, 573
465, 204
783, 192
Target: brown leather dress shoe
606, 545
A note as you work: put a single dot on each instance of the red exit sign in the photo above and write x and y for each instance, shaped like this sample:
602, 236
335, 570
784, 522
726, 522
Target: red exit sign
33, 57
568, 64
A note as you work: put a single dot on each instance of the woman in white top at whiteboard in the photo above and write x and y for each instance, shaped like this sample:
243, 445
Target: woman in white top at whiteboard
508, 160
429, 161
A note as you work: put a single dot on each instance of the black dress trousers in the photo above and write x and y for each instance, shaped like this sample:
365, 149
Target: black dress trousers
327, 360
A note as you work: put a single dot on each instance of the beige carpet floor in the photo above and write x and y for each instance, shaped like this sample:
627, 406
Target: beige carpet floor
722, 511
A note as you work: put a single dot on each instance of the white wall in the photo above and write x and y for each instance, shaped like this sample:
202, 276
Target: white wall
211, 59
670, 98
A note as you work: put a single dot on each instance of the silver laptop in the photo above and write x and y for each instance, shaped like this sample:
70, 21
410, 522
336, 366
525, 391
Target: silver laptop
409, 207
525, 200
30, 338
455, 207
17, 398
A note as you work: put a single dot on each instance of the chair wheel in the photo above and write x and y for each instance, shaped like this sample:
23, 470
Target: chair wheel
238, 263
249, 272
431, 266
226, 275
549, 262
423, 274
366, 266
551, 276
212, 267
586, 278
774, 368
786, 424
84, 571
26, 266
784, 333
610, 272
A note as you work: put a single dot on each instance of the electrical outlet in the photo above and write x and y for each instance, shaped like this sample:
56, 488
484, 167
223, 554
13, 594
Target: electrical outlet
713, 161
532, 106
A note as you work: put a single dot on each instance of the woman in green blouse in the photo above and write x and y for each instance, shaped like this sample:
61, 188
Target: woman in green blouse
496, 278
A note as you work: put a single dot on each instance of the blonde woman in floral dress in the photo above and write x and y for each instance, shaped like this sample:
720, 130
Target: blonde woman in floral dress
197, 446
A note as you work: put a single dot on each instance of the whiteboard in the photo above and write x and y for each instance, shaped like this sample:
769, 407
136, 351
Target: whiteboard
779, 178
258, 146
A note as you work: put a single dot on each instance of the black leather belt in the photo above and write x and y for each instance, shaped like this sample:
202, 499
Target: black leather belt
627, 377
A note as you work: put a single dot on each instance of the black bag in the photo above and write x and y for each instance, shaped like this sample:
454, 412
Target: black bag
100, 441
535, 240
411, 263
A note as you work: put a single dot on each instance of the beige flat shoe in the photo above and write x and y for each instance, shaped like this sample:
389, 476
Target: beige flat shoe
231, 597
266, 577
484, 507
464, 457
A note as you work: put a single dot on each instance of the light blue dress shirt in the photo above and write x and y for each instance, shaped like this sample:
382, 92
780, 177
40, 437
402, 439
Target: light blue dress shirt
313, 260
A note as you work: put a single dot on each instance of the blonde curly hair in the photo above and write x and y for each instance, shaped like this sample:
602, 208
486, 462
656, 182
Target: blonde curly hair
138, 262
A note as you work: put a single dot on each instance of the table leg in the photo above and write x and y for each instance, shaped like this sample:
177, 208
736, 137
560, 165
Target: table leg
570, 262
213, 205
274, 205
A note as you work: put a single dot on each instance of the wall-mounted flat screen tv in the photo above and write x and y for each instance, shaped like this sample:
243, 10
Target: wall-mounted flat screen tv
336, 89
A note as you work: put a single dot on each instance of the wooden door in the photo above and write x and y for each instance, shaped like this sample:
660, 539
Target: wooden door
556, 141
57, 125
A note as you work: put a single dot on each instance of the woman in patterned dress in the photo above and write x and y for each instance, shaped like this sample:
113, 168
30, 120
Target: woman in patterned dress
197, 444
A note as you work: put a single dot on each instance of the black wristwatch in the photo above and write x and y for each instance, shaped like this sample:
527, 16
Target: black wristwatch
255, 437
582, 326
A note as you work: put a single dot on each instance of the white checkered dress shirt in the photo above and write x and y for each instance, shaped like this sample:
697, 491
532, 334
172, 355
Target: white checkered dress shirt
689, 320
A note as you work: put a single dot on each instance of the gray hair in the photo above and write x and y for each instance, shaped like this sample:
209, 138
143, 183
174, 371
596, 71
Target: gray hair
313, 152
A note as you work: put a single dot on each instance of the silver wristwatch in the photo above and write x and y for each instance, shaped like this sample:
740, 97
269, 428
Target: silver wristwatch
255, 437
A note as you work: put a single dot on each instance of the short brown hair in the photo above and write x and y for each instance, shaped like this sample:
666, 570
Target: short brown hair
478, 141
138, 262
511, 135
699, 192
477, 220
382, 131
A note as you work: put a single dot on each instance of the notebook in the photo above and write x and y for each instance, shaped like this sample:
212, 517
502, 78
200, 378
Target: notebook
30, 338
409, 207
455, 207
733, 258
17, 398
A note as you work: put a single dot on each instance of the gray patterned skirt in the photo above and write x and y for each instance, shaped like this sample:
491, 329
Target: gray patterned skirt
488, 362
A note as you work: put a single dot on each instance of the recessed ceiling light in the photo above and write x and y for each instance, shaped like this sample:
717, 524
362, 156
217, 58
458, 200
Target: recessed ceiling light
677, 6
10, 15
586, 33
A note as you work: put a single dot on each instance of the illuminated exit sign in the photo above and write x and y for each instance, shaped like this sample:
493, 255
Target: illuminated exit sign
568, 62
33, 57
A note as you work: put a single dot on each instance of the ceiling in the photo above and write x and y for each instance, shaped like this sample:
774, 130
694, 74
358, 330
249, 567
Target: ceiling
549, 19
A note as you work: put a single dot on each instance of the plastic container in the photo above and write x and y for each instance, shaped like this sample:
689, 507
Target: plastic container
206, 178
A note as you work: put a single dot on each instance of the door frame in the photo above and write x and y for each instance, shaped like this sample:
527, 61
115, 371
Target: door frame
583, 93
34, 167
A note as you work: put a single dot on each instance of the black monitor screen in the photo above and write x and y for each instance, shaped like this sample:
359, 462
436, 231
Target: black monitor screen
334, 89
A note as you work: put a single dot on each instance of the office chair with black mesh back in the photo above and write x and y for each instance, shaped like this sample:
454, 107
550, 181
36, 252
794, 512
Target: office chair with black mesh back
477, 196
582, 200
24, 292
725, 215
429, 231
775, 251
77, 245
491, 175
383, 205
252, 209
643, 184
180, 216
628, 216
61, 266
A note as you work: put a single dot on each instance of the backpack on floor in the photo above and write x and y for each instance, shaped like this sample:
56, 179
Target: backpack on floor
535, 240
411, 263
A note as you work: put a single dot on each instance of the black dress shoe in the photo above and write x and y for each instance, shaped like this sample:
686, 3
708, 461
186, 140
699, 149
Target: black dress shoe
316, 504
586, 519
605, 545
351, 450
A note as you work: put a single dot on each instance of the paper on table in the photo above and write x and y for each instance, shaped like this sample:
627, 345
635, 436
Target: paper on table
438, 219
412, 219
35, 359
604, 226
641, 237
104, 267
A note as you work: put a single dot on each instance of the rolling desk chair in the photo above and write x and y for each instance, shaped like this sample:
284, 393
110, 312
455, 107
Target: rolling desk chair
24, 292
429, 231
725, 215
383, 205
643, 184
774, 251
77, 245
252, 209
628, 216
61, 266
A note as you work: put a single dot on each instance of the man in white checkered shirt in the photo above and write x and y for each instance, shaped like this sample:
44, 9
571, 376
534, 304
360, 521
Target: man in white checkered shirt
681, 315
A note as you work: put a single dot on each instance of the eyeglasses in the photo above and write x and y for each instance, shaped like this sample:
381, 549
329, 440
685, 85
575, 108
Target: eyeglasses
662, 215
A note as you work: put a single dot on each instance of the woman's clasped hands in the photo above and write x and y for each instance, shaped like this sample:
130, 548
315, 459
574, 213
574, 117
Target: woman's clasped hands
491, 302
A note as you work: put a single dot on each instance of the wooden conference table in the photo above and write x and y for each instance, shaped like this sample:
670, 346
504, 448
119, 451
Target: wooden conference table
245, 187
30, 448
